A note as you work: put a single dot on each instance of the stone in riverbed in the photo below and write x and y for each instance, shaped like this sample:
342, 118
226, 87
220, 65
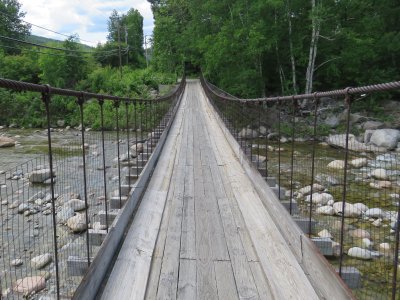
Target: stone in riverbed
39, 176
336, 164
6, 142
359, 162
387, 138
41, 261
358, 252
325, 210
361, 206
380, 184
379, 174
29, 285
325, 234
374, 213
318, 198
76, 204
307, 189
366, 242
16, 262
349, 210
65, 213
77, 223
360, 233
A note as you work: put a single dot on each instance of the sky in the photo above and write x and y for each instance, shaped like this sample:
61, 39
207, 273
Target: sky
87, 18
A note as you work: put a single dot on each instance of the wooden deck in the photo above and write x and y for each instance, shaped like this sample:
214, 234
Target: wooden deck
202, 231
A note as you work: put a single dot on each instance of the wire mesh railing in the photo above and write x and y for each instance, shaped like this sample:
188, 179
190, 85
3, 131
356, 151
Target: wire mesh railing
336, 171
57, 208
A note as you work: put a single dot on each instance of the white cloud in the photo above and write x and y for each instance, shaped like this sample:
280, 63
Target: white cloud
88, 18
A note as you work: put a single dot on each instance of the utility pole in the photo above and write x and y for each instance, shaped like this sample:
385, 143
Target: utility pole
119, 48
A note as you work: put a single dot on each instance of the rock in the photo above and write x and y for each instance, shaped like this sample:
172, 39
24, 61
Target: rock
379, 174
273, 136
60, 123
65, 213
327, 179
384, 246
77, 223
377, 223
16, 262
336, 164
248, 133
325, 233
349, 210
325, 210
36, 196
284, 140
39, 176
307, 189
136, 149
262, 130
374, 213
386, 138
372, 125
360, 234
41, 261
22, 208
339, 141
29, 285
4, 202
332, 121
318, 198
359, 253
361, 206
6, 142
359, 162
366, 242
381, 184
395, 196
76, 204
15, 204
336, 249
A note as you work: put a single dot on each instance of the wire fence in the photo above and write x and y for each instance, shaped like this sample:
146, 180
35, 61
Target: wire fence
57, 208
336, 171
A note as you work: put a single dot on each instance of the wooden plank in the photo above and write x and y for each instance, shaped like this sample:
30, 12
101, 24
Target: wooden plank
244, 279
264, 291
206, 283
225, 281
187, 279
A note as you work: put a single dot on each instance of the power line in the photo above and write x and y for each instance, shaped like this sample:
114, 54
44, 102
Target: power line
50, 30
46, 47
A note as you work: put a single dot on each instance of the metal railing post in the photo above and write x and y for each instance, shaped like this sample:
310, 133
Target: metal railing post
101, 103
116, 106
127, 141
80, 102
292, 154
46, 98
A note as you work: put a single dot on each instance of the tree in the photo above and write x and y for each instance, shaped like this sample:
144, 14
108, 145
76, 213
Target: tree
11, 24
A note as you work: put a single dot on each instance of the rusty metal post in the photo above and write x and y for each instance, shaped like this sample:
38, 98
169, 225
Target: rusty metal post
116, 106
127, 141
101, 103
316, 103
396, 254
347, 100
46, 98
294, 107
80, 102
279, 148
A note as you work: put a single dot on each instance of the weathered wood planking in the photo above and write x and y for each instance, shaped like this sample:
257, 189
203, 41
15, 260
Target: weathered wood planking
187, 279
225, 281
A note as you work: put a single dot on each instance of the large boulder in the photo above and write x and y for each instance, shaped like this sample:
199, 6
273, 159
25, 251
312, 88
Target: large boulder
29, 285
372, 125
136, 149
248, 133
361, 253
321, 199
6, 142
386, 138
77, 223
41, 261
359, 162
339, 141
76, 204
336, 164
350, 210
39, 176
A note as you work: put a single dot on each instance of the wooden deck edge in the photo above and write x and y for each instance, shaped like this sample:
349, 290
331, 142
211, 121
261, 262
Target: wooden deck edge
97, 271
326, 282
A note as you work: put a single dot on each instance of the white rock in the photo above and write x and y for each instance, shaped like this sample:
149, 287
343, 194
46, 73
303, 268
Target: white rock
307, 189
15, 204
65, 213
16, 262
360, 233
248, 133
359, 253
29, 285
318, 198
325, 233
395, 196
330, 202
77, 223
361, 206
6, 142
387, 138
22, 208
384, 247
39, 176
136, 149
41, 261
336, 249
76, 204
377, 223
325, 210
379, 174
349, 210
366, 242
374, 213
359, 162
336, 164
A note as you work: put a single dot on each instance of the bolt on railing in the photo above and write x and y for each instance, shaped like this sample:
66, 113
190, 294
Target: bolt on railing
57, 208
336, 171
